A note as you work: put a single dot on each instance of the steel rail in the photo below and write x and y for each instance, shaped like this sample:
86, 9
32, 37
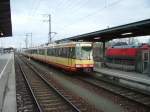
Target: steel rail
113, 91
51, 86
35, 100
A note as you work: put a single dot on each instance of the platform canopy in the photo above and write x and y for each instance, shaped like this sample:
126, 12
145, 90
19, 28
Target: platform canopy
140, 28
5, 19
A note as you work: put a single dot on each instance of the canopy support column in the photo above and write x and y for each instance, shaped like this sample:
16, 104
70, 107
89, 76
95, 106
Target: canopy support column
103, 50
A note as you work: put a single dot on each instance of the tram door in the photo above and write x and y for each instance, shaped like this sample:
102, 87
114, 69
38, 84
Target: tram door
70, 56
146, 60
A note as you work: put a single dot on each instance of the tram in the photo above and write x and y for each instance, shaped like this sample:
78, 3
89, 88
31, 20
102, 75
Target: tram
72, 56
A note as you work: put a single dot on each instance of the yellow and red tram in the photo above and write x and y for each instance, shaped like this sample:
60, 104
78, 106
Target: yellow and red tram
73, 56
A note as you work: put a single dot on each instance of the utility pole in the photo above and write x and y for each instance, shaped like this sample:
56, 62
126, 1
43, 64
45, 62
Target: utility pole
30, 34
106, 3
49, 19
20, 48
49, 33
26, 40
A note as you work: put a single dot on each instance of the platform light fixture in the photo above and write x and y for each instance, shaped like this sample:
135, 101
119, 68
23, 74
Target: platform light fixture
128, 33
80, 40
96, 38
1, 33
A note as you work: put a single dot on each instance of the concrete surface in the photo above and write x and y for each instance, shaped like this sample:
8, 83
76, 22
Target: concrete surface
7, 83
131, 79
131, 76
3, 60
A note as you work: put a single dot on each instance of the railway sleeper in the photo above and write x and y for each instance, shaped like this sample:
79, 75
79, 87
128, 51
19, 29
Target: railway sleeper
44, 98
49, 101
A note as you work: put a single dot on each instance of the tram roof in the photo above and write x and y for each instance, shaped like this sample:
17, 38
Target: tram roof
140, 28
5, 19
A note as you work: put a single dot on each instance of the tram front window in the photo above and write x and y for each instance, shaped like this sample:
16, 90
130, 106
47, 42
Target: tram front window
84, 52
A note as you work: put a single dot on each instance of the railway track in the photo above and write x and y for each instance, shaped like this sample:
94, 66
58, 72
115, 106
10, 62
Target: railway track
58, 99
47, 97
125, 92
129, 98
25, 101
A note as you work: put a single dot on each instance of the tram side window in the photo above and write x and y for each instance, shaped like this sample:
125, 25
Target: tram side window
61, 52
29, 51
49, 52
71, 52
56, 52
42, 52
64, 52
68, 52
53, 52
35, 51
32, 51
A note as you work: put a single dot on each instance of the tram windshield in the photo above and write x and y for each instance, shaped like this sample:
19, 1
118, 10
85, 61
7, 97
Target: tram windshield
84, 52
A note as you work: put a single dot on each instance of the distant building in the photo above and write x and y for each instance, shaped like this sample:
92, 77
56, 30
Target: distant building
1, 50
8, 50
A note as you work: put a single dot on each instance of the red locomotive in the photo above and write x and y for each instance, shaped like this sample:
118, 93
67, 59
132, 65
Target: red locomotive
128, 57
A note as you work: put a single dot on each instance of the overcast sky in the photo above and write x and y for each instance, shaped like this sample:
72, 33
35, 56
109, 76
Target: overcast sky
71, 17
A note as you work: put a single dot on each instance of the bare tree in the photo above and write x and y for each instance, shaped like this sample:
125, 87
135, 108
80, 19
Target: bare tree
131, 41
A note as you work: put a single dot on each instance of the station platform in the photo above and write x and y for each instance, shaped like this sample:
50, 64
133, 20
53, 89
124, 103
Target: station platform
138, 80
133, 76
7, 83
